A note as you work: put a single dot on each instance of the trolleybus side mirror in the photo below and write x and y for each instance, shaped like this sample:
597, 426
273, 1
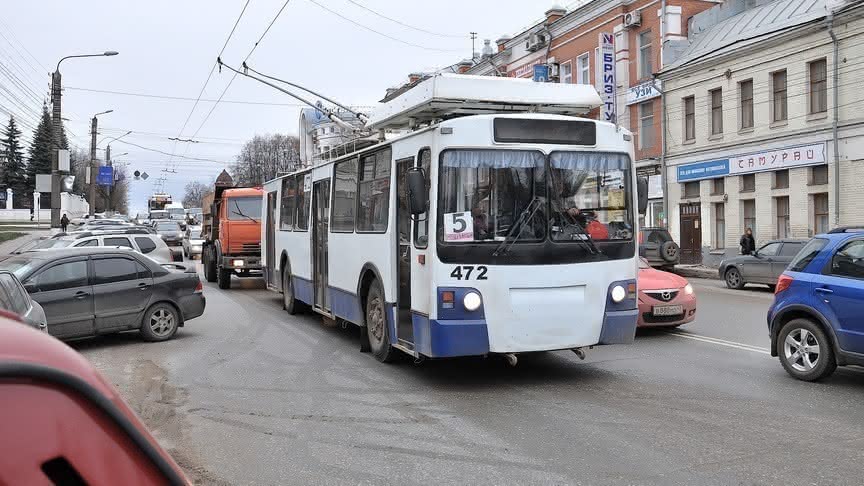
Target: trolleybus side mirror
642, 191
417, 196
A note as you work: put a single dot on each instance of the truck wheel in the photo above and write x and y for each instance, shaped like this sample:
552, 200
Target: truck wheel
223, 277
376, 324
209, 265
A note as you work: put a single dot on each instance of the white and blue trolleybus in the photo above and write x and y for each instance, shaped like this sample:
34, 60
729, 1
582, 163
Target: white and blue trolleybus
486, 219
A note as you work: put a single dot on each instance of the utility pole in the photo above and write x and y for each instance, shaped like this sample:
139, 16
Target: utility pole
55, 155
94, 167
108, 189
473, 38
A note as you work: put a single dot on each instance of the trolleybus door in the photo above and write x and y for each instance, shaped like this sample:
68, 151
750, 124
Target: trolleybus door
320, 228
270, 241
404, 327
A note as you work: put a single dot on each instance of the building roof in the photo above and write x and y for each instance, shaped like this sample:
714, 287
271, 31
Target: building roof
750, 27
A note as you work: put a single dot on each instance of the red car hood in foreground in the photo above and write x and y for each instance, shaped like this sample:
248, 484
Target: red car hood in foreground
62, 420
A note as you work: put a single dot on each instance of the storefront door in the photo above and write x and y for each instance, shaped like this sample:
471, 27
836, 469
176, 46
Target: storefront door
691, 234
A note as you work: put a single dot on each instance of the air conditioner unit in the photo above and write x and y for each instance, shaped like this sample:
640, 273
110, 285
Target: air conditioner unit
632, 19
536, 41
554, 69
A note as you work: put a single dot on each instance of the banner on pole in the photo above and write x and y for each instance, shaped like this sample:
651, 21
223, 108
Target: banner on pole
606, 77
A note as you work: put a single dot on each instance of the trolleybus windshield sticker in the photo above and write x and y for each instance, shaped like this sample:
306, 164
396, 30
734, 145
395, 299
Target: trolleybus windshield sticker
458, 226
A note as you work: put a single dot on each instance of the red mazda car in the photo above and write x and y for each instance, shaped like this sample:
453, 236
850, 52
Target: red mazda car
665, 299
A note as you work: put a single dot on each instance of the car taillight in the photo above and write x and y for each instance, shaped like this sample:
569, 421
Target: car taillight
783, 283
199, 289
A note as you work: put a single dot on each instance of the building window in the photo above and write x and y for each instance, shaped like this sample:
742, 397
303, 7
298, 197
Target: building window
778, 90
374, 192
583, 65
344, 196
819, 175
566, 72
716, 111
745, 88
781, 206
820, 213
719, 187
646, 125
645, 67
748, 209
748, 182
781, 179
689, 118
691, 189
719, 225
818, 72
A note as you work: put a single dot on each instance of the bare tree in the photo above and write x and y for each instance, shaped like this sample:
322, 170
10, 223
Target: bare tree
264, 157
194, 194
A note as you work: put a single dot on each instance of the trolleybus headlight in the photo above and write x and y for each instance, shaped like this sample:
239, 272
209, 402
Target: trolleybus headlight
618, 293
471, 301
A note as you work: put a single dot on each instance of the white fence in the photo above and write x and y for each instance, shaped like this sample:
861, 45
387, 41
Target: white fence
70, 204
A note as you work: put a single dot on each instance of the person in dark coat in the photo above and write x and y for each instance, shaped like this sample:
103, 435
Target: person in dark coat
748, 243
64, 222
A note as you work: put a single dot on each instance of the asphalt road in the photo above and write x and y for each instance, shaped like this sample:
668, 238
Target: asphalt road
247, 394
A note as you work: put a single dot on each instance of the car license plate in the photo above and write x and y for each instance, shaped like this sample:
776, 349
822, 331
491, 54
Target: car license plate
667, 310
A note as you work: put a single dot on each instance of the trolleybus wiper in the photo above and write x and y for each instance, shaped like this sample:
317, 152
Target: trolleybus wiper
585, 237
525, 216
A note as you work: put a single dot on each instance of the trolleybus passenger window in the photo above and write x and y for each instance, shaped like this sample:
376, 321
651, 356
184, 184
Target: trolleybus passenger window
421, 227
287, 206
374, 192
304, 189
344, 196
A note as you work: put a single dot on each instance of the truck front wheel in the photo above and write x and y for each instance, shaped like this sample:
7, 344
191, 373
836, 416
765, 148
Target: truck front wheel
223, 277
209, 264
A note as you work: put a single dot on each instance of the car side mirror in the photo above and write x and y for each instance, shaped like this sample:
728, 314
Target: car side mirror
30, 287
416, 181
755, 253
642, 193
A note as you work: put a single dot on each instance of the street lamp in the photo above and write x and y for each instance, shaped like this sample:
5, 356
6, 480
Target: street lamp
56, 93
93, 165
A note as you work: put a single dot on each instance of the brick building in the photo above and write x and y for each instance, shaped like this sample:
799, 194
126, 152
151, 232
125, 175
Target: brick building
751, 115
568, 42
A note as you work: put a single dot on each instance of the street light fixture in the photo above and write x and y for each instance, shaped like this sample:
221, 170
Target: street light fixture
56, 121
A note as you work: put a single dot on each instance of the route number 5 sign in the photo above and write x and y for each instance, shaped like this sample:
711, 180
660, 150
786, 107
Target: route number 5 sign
458, 226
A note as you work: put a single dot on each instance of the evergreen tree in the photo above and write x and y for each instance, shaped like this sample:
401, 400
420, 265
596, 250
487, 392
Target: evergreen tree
12, 167
40, 150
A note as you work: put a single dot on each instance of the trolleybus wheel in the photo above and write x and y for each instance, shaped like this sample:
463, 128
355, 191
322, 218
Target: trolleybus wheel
288, 301
376, 324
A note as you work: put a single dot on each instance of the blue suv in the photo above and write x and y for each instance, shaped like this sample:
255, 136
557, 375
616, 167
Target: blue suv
817, 319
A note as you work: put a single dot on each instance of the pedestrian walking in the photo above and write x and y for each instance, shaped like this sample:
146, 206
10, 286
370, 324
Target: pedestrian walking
748, 243
64, 222
32, 213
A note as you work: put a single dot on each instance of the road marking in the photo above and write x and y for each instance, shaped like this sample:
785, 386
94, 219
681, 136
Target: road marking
721, 342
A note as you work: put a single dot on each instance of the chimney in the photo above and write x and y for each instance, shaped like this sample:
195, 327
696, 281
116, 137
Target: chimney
487, 49
414, 77
502, 42
464, 66
555, 13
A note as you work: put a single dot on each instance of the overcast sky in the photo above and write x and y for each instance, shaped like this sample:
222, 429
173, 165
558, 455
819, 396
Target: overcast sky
167, 48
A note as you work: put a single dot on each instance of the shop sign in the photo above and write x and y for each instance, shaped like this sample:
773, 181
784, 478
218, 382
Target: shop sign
642, 92
606, 77
526, 69
769, 160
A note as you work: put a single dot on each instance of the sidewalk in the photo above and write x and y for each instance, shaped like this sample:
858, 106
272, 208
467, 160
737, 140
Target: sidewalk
697, 271
31, 234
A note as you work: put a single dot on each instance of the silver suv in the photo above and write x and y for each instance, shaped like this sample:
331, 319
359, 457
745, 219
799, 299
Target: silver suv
147, 244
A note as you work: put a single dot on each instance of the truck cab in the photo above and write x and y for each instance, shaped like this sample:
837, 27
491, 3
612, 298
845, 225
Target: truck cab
232, 234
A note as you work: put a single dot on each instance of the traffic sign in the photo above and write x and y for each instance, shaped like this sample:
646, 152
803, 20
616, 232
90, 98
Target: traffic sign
144, 175
105, 177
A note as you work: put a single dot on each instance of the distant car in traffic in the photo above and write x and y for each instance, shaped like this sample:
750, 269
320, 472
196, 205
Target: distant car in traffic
90, 291
192, 241
170, 232
141, 241
64, 423
14, 299
815, 321
763, 266
665, 299
658, 249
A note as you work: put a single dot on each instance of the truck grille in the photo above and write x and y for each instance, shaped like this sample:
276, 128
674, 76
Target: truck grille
251, 247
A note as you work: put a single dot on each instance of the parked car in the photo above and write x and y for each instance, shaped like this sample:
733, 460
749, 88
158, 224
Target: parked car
140, 240
14, 299
192, 241
764, 266
665, 299
90, 291
657, 247
815, 320
64, 423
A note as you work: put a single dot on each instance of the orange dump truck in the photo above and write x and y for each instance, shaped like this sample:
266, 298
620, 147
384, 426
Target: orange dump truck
232, 232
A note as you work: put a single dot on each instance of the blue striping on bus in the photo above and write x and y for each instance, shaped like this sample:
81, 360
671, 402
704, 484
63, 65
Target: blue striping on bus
302, 289
346, 305
619, 327
443, 339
